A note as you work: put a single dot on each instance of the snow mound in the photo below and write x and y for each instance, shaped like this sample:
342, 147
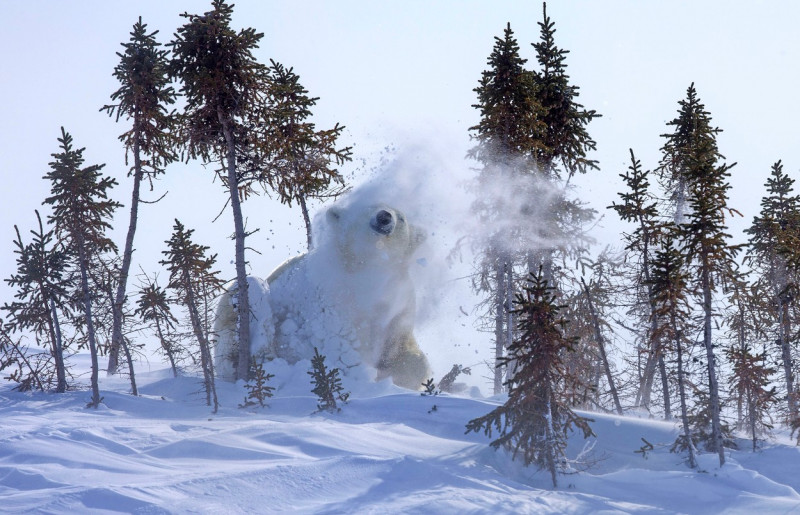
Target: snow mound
388, 450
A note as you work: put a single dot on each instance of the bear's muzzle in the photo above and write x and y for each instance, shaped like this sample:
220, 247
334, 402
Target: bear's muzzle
383, 222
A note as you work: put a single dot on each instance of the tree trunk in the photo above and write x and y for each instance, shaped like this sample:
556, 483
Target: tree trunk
643, 396
786, 358
713, 387
547, 268
654, 355
511, 366
680, 201
307, 220
687, 431
126, 348
87, 308
243, 302
550, 439
206, 359
127, 255
58, 350
751, 409
665, 387
166, 348
598, 335
499, 319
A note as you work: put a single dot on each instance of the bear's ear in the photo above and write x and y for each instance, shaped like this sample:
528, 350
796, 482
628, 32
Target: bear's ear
333, 215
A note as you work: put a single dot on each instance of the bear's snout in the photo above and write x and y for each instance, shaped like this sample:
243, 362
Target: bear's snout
383, 222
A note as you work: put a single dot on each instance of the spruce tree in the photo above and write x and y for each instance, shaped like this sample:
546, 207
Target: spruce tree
143, 98
43, 284
639, 207
562, 153
193, 278
750, 383
301, 160
510, 126
153, 307
223, 86
566, 140
258, 390
774, 252
533, 423
508, 134
522, 200
81, 215
669, 293
691, 161
692, 141
447, 382
327, 384
589, 307
591, 295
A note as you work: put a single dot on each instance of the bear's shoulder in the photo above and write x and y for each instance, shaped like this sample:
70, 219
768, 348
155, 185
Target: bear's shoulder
289, 264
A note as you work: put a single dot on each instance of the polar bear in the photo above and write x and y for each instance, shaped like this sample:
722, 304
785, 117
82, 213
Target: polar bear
351, 297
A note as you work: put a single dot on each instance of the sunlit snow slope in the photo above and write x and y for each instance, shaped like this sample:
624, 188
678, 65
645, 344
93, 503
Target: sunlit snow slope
387, 451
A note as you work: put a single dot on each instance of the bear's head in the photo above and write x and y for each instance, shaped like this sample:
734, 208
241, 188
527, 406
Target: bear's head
375, 235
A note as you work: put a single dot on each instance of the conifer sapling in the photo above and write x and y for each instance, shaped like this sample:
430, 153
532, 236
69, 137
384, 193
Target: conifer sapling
327, 384
430, 388
257, 388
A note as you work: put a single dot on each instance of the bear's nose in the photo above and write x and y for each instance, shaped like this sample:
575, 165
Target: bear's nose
383, 222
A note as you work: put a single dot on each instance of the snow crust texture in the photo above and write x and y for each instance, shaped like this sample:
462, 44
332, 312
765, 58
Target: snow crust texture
388, 451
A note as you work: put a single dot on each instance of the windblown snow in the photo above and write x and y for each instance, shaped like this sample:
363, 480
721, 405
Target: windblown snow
388, 451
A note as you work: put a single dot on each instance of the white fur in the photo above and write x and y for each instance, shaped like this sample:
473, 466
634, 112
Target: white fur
351, 297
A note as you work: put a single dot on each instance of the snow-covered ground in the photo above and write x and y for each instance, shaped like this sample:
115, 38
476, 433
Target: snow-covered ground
387, 451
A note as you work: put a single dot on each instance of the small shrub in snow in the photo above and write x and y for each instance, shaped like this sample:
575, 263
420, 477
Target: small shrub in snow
257, 388
29, 370
644, 449
327, 384
447, 382
430, 388
699, 418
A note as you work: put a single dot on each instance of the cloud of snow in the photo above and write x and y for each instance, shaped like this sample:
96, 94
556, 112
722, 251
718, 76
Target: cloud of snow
438, 191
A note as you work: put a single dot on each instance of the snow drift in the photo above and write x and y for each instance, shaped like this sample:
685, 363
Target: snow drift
387, 451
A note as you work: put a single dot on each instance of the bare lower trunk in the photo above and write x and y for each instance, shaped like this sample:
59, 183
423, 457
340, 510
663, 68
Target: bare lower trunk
598, 335
511, 366
307, 220
165, 345
643, 396
713, 387
655, 355
58, 350
752, 413
127, 255
206, 360
662, 367
550, 441
547, 267
499, 333
786, 358
126, 348
243, 302
87, 309
687, 431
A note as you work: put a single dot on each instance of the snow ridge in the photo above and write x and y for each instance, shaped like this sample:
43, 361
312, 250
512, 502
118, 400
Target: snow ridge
387, 451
